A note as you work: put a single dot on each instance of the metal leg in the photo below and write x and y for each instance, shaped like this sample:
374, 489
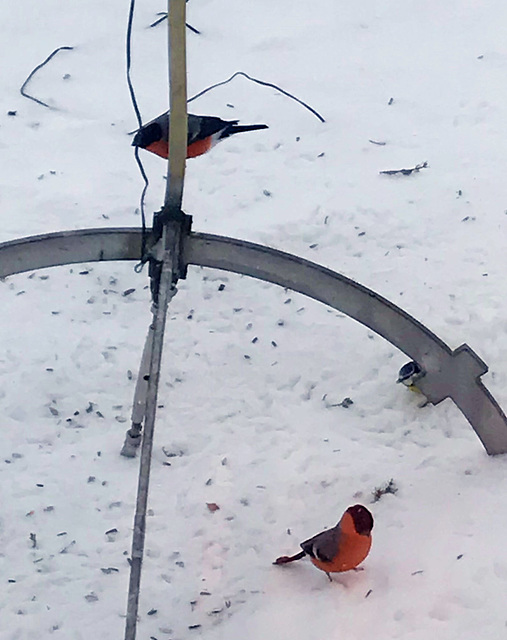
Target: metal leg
133, 435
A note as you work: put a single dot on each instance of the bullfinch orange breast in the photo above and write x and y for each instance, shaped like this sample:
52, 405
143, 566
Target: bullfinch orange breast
204, 132
341, 548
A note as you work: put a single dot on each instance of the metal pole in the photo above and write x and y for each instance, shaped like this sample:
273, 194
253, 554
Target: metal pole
167, 268
178, 106
166, 292
133, 435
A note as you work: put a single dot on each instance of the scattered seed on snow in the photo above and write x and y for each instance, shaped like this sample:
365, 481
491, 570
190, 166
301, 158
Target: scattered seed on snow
65, 549
108, 570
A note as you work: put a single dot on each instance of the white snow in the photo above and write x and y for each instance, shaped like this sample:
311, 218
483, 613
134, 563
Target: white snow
256, 435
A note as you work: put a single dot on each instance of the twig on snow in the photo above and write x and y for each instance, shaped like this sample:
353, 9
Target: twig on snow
405, 172
38, 68
389, 487
164, 17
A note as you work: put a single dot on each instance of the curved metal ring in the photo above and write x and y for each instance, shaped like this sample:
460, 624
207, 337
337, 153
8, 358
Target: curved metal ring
449, 374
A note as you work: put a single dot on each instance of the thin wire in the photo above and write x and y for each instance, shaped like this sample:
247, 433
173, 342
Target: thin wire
138, 268
129, 62
133, 99
37, 68
264, 84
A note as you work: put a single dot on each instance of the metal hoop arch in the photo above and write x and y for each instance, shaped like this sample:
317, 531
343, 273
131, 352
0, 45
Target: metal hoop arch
449, 374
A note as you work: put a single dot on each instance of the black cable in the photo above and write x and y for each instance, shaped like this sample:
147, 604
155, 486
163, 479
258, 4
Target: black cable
129, 62
133, 98
38, 68
263, 83
139, 266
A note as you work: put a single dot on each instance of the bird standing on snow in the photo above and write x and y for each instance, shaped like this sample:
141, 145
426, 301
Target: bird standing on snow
341, 548
204, 132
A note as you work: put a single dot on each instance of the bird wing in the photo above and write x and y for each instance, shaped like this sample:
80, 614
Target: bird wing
201, 127
324, 546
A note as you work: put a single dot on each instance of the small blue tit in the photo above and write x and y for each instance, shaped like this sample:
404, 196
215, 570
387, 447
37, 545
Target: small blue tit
409, 374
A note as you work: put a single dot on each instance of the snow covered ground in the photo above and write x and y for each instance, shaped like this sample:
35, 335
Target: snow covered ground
250, 370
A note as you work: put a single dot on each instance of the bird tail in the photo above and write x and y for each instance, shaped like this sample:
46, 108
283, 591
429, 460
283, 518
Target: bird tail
286, 559
240, 128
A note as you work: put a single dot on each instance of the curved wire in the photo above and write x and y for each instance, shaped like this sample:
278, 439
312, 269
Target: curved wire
38, 68
133, 99
264, 84
129, 62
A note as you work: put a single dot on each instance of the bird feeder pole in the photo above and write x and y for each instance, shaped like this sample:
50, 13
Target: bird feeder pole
165, 268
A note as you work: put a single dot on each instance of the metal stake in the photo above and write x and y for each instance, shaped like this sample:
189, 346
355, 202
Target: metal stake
166, 266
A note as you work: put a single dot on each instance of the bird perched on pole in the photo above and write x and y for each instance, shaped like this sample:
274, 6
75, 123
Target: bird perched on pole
204, 132
341, 548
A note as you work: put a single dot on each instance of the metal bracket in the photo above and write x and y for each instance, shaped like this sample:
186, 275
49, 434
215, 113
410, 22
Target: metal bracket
176, 229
